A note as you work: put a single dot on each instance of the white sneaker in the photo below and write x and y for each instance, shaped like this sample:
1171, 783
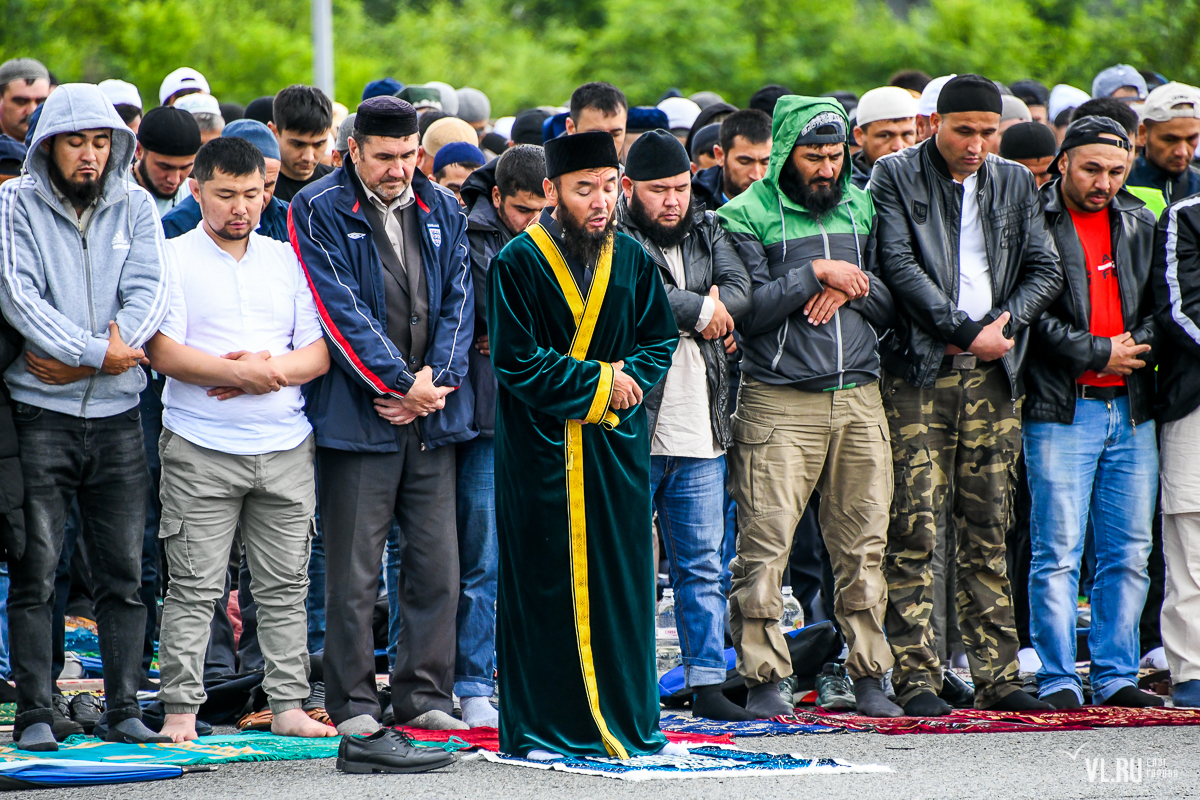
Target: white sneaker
1155, 659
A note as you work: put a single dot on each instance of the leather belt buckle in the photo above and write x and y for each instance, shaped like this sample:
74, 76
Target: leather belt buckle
964, 361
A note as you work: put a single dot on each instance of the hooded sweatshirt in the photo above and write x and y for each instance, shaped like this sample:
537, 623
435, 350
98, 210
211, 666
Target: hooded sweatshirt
778, 240
62, 279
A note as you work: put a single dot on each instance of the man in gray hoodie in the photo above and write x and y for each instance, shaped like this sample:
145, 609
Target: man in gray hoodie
83, 278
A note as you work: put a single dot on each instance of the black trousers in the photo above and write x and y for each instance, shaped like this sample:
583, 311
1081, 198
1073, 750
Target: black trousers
102, 463
359, 493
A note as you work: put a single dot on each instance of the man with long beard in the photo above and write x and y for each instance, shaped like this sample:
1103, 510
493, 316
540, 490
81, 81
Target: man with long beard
809, 415
709, 292
580, 328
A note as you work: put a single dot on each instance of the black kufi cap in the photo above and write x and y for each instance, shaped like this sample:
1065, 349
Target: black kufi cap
261, 109
1092, 130
527, 127
656, 155
967, 93
385, 116
169, 131
591, 150
1028, 140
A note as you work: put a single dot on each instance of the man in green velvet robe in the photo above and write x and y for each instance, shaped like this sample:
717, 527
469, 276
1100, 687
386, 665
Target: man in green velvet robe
579, 328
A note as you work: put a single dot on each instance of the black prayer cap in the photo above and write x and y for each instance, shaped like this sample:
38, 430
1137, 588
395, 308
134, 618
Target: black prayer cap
385, 116
1028, 140
1031, 92
970, 92
169, 131
580, 151
261, 109
527, 127
1092, 130
656, 154
766, 98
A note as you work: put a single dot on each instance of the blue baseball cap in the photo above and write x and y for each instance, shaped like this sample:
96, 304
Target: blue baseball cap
1108, 81
384, 87
458, 153
256, 134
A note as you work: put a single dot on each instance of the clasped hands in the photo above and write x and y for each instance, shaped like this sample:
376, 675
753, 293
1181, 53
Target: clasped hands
421, 400
842, 282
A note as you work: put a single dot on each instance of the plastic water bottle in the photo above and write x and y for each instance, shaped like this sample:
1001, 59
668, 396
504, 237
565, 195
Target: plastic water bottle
666, 635
793, 613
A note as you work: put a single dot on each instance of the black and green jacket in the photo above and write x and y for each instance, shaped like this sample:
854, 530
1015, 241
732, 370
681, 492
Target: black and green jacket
778, 240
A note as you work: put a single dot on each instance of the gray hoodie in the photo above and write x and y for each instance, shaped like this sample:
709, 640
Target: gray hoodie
60, 286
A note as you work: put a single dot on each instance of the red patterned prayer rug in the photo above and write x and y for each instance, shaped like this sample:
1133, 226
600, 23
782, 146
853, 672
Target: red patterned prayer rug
984, 721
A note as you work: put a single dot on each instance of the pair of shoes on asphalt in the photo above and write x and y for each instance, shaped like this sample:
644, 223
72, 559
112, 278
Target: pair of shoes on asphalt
389, 751
41, 736
365, 724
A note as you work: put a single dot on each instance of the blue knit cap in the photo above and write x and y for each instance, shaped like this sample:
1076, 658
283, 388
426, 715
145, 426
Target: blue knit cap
256, 134
457, 153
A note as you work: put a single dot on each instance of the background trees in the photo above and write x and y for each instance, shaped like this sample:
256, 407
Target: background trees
528, 52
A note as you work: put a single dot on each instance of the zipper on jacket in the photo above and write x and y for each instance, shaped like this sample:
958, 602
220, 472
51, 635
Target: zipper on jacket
87, 278
837, 315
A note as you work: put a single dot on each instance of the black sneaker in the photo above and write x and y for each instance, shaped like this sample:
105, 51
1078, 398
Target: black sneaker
62, 726
387, 750
86, 710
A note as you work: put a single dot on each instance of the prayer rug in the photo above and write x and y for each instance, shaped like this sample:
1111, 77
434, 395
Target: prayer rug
489, 738
700, 762
672, 723
205, 750
984, 721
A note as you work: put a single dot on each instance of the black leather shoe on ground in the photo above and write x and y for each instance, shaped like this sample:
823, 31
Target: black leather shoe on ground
387, 750
63, 726
956, 691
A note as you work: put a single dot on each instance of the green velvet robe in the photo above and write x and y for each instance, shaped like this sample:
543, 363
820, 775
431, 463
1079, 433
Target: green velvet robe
575, 608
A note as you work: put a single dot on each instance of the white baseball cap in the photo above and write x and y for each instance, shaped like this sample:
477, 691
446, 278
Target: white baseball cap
199, 104
680, 111
121, 93
182, 78
503, 126
927, 105
1064, 96
886, 102
1171, 101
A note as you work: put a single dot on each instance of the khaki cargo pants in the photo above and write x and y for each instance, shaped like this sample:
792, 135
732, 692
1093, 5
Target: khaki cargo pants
788, 443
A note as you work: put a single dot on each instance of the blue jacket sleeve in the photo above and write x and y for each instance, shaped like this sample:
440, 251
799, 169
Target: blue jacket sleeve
454, 329
356, 339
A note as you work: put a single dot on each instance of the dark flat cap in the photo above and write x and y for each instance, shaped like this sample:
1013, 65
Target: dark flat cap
527, 127
573, 153
766, 98
656, 155
705, 138
1028, 140
169, 131
385, 116
967, 93
262, 109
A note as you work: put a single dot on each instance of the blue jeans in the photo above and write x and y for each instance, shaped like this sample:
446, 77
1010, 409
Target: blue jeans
1103, 466
479, 564
689, 495
316, 591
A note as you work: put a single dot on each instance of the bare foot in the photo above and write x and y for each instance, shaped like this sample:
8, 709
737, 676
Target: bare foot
180, 727
295, 722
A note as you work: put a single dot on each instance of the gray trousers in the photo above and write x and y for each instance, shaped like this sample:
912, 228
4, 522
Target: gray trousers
206, 495
360, 494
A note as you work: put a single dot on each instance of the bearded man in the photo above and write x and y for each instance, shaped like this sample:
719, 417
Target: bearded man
809, 415
580, 329
709, 292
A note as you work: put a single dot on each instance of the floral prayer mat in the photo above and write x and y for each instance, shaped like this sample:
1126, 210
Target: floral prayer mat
704, 761
984, 721
489, 738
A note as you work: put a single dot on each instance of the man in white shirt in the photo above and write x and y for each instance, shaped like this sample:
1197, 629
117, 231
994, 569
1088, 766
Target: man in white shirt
240, 338
688, 412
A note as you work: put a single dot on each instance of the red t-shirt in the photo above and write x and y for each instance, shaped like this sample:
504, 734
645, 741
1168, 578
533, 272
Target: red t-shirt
1107, 320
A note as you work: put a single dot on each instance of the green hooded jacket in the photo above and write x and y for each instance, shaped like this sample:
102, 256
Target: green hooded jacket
778, 240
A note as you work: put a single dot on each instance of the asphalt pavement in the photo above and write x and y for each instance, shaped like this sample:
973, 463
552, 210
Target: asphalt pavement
1137, 763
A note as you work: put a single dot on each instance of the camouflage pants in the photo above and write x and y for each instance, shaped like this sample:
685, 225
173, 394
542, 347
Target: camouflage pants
955, 444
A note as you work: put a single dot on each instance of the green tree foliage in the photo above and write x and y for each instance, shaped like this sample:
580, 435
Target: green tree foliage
530, 52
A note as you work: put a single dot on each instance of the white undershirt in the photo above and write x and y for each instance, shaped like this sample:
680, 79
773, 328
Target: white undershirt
974, 275
684, 426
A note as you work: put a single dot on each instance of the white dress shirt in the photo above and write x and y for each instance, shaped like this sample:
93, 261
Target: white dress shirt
974, 274
684, 426
218, 306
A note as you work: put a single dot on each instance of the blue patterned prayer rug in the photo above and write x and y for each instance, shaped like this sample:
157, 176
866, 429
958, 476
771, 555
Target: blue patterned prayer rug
760, 727
700, 762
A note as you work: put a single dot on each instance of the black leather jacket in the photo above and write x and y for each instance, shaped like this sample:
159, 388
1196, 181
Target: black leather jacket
1175, 279
1063, 346
918, 207
709, 258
